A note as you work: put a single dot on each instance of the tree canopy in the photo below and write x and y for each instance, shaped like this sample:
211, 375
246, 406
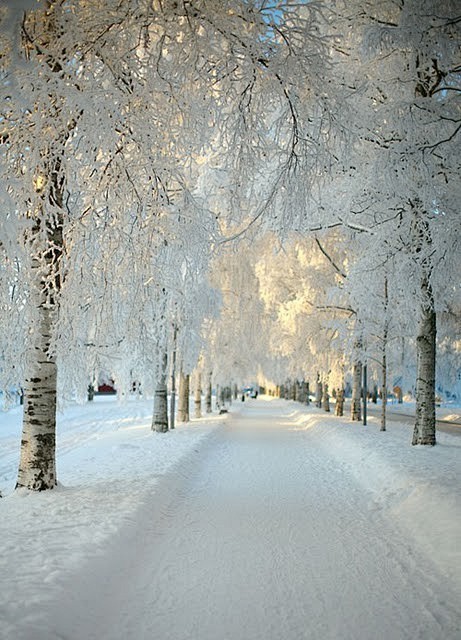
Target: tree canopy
274, 184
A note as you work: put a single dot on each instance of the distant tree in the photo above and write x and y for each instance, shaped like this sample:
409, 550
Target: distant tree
183, 397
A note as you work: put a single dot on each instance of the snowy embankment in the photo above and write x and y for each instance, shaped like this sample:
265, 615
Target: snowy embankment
109, 463
418, 487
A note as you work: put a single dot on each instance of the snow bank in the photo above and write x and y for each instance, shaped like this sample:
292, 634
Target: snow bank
418, 486
109, 461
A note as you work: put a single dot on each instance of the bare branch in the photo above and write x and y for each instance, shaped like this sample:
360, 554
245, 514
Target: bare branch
330, 259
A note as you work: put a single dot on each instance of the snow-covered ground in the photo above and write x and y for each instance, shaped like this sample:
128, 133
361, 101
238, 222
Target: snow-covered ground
273, 521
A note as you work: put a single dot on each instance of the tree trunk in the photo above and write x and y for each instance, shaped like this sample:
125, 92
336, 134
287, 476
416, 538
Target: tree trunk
325, 398
424, 431
160, 416
384, 356
183, 399
365, 392
339, 408
318, 393
384, 391
198, 397
37, 465
302, 392
374, 394
173, 381
208, 397
356, 412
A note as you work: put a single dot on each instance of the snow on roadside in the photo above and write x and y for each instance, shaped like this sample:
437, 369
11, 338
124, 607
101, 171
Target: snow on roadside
109, 461
418, 487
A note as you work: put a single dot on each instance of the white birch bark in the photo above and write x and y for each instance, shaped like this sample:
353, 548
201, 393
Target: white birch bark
198, 396
356, 409
424, 431
160, 414
339, 407
173, 381
37, 465
384, 386
183, 397
318, 393
384, 357
325, 398
208, 397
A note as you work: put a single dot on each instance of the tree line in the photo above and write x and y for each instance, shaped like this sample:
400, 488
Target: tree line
142, 142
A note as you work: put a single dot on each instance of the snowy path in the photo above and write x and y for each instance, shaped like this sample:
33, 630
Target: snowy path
260, 535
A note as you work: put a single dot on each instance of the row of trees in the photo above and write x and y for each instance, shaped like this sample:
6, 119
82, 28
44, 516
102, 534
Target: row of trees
374, 265
141, 141
113, 117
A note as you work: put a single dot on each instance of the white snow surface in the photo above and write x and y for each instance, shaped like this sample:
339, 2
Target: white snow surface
275, 521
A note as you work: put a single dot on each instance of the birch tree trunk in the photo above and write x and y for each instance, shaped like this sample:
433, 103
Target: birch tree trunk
384, 357
339, 408
365, 392
356, 411
173, 381
160, 414
384, 393
208, 397
325, 398
198, 396
183, 399
302, 392
37, 464
318, 392
424, 431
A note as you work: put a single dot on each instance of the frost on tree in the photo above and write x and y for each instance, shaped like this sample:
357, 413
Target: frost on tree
400, 179
104, 145
44, 242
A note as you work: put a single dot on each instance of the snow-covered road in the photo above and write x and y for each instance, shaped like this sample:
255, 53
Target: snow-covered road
259, 534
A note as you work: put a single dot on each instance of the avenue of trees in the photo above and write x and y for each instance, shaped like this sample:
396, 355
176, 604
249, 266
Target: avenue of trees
198, 192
